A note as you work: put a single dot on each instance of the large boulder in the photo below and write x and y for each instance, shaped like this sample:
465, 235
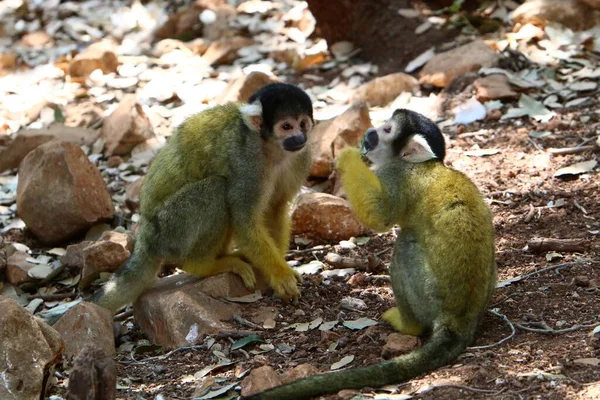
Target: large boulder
28, 348
60, 193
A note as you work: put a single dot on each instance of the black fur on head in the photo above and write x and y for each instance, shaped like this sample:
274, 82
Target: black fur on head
410, 123
279, 100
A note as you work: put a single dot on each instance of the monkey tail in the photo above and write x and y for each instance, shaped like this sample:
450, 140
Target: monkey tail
443, 347
129, 281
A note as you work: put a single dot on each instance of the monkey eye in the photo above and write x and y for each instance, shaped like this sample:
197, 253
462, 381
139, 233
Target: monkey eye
387, 129
303, 125
287, 127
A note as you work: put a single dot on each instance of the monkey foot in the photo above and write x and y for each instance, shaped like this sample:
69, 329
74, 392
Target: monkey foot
286, 286
399, 323
245, 272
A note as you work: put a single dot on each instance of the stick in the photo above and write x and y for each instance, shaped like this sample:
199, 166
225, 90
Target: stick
550, 331
574, 150
539, 271
51, 297
512, 332
539, 245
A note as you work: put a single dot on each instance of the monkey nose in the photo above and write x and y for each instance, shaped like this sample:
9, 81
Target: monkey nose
371, 139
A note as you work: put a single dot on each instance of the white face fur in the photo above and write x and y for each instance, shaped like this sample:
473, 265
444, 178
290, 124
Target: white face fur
416, 150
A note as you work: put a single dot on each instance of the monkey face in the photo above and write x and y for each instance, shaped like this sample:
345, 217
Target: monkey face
292, 132
408, 136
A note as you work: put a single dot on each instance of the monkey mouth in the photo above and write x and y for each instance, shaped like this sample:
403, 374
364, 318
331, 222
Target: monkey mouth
294, 143
370, 141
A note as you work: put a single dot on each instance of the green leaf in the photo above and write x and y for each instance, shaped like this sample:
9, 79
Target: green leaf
247, 340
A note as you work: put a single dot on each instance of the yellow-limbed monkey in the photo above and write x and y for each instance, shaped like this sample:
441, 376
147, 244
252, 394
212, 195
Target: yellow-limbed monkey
443, 272
226, 176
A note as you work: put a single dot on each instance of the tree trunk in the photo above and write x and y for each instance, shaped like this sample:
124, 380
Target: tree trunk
375, 26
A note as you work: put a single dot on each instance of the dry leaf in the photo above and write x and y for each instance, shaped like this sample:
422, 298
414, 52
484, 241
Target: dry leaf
342, 363
577, 168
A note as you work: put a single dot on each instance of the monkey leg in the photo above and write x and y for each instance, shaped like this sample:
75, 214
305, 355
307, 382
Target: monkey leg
403, 321
204, 266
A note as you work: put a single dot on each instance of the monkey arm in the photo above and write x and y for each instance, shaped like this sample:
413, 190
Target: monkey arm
364, 190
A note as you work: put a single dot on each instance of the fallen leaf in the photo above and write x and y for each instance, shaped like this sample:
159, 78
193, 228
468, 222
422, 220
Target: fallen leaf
40, 271
340, 273
594, 362
247, 340
360, 323
250, 298
313, 267
577, 168
470, 111
215, 393
419, 61
327, 326
343, 362
583, 86
551, 256
541, 134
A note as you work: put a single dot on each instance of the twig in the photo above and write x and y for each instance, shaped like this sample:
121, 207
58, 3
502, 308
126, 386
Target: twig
245, 322
291, 253
167, 355
472, 389
239, 334
52, 297
512, 332
539, 245
539, 271
550, 331
574, 150
123, 316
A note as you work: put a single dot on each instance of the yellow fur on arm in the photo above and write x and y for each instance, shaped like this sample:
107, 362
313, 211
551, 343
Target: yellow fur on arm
364, 191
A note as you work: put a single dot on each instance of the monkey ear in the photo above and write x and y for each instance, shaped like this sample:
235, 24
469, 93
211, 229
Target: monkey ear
252, 114
417, 150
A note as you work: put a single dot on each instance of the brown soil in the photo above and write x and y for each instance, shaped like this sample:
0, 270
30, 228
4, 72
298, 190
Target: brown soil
519, 176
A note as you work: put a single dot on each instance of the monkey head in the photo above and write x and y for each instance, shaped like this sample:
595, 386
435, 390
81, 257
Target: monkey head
407, 135
281, 112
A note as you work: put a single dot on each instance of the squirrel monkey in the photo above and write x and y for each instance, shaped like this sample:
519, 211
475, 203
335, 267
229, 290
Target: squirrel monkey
443, 270
226, 176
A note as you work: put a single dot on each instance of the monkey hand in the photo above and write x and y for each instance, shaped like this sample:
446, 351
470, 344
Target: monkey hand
284, 283
346, 157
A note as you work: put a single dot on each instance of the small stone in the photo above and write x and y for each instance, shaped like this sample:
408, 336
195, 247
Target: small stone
184, 24
8, 62
397, 344
97, 56
60, 193
174, 313
329, 137
299, 372
347, 394
582, 280
245, 86
28, 139
17, 268
95, 257
224, 285
114, 161
444, 67
225, 51
493, 87
494, 114
381, 91
260, 379
36, 40
28, 349
132, 191
321, 216
93, 376
357, 279
86, 323
126, 127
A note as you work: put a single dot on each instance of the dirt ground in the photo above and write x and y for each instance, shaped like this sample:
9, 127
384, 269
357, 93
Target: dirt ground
528, 365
